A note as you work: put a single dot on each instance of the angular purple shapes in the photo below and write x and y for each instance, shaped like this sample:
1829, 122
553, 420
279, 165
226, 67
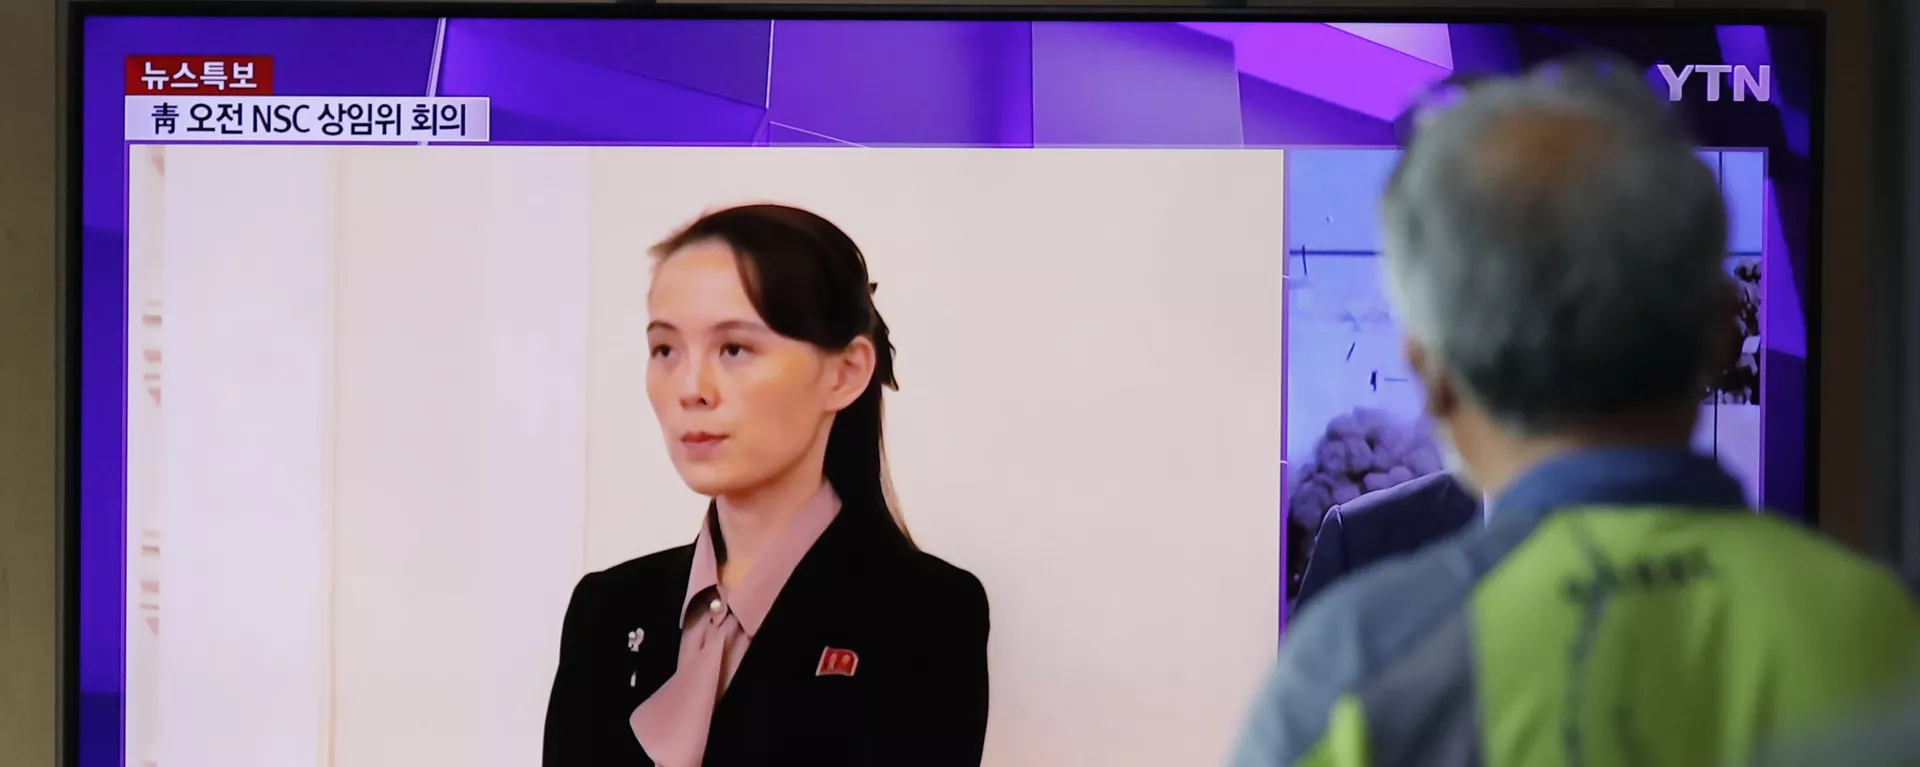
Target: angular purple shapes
781, 135
724, 57
905, 82
311, 57
1427, 42
102, 465
1336, 66
1133, 84
1743, 44
1271, 115
544, 97
1483, 48
1783, 323
1748, 45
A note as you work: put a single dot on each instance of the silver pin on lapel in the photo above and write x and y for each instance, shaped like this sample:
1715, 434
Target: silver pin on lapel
634, 638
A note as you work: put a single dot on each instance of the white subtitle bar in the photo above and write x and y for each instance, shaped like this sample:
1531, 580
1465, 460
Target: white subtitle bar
318, 119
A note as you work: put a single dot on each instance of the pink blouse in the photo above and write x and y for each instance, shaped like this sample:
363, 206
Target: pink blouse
716, 625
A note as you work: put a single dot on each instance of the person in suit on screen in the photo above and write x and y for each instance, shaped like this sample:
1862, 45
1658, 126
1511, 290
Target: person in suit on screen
1385, 524
1404, 518
802, 625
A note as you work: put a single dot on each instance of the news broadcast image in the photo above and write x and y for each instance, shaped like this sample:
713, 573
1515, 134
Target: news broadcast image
363, 341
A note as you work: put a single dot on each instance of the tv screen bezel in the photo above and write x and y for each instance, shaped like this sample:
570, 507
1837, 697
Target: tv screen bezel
1813, 23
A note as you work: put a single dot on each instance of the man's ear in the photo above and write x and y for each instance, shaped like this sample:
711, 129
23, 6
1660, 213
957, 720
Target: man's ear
1442, 399
849, 371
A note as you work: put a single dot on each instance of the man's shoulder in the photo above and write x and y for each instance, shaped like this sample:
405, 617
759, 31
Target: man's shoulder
1360, 628
1344, 638
1436, 493
1379, 611
1750, 547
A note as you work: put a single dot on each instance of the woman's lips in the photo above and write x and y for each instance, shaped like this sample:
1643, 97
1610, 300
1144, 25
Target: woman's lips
700, 445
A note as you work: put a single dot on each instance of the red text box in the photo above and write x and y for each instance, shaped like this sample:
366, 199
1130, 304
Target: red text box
200, 75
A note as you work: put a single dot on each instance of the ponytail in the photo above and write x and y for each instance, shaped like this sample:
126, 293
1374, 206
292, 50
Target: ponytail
856, 463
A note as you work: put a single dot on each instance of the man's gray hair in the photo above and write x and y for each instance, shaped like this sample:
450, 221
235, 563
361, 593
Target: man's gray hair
1557, 245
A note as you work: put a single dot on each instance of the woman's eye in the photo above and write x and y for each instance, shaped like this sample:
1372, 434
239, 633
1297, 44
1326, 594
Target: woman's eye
660, 350
732, 350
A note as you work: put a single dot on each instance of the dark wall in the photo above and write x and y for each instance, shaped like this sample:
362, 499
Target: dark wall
1897, 372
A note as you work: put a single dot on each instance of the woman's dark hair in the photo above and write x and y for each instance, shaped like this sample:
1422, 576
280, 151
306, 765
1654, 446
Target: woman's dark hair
809, 282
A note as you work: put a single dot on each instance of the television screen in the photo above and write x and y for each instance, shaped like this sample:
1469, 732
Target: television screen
380, 354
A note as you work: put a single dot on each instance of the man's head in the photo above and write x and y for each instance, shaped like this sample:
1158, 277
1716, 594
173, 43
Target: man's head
1555, 248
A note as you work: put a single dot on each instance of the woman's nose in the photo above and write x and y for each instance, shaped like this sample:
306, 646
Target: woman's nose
696, 385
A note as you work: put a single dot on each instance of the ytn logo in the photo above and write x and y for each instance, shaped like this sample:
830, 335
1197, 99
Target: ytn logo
1745, 83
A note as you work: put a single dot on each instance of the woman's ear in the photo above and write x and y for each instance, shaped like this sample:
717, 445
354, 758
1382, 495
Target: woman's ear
848, 373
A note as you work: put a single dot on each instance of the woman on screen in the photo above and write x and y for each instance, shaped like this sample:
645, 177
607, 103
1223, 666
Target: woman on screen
802, 625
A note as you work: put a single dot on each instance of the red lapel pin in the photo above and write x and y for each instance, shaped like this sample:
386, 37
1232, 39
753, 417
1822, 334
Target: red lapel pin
837, 662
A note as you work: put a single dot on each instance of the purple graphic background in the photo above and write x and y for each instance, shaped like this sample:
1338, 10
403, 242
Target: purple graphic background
870, 83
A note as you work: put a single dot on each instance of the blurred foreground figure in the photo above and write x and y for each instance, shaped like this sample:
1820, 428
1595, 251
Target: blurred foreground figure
1556, 248
1887, 735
